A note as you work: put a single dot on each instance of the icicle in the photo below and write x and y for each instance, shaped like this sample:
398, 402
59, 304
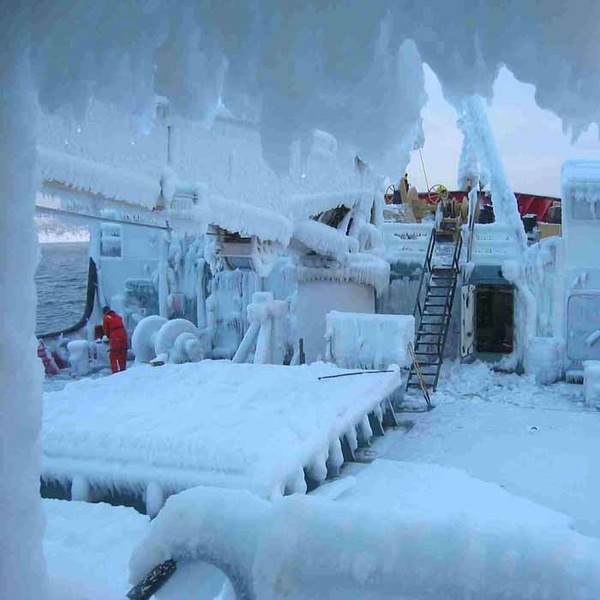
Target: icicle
80, 489
364, 432
155, 499
335, 458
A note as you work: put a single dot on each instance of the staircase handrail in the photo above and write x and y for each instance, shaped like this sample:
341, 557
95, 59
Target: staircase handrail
426, 269
417, 368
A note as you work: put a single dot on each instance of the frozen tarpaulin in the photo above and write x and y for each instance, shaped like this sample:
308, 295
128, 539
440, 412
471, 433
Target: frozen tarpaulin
268, 429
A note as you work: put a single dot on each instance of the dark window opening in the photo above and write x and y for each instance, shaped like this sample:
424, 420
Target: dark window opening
332, 217
494, 325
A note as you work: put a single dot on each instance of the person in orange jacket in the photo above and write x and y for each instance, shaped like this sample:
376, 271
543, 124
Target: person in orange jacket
115, 331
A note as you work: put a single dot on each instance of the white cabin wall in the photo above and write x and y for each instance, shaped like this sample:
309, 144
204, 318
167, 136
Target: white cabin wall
140, 257
317, 298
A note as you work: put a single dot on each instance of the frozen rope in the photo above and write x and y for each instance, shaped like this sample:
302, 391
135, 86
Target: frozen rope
355, 373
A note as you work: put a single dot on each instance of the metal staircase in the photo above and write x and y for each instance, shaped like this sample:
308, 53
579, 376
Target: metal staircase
432, 314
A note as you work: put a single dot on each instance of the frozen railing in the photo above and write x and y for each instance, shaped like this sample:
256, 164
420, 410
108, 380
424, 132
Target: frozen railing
406, 242
493, 243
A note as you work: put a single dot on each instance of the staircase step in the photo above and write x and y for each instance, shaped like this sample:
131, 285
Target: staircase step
429, 368
413, 373
418, 385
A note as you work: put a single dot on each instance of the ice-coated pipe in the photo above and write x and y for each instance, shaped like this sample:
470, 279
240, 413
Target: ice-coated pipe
244, 348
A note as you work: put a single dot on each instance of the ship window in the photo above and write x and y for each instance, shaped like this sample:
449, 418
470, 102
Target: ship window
110, 240
494, 308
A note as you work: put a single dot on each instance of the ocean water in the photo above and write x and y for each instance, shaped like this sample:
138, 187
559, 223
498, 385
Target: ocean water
61, 281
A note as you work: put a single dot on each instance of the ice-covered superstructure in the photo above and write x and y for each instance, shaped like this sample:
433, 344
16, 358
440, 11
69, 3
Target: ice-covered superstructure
536, 307
580, 284
196, 238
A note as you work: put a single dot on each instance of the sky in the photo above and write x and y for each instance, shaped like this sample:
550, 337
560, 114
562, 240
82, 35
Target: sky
531, 142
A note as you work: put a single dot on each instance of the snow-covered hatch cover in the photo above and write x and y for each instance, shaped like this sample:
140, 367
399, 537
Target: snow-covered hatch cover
209, 423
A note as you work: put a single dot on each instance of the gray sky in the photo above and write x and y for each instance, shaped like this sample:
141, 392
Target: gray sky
531, 141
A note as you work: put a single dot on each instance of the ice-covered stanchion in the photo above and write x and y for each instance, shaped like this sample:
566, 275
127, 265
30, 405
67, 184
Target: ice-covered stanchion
591, 382
265, 331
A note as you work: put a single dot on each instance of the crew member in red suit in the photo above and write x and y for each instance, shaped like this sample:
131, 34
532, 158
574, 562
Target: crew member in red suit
117, 338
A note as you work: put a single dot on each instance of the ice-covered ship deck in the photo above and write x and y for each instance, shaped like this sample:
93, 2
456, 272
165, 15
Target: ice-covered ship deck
156, 431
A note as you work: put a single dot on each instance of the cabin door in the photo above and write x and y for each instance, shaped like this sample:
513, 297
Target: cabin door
467, 321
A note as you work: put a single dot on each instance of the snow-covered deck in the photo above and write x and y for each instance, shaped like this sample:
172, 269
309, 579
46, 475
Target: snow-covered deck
157, 431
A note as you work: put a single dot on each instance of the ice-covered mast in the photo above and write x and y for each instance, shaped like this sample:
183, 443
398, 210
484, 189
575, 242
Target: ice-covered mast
478, 132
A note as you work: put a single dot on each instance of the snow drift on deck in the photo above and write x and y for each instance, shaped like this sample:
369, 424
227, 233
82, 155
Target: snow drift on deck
209, 423
87, 548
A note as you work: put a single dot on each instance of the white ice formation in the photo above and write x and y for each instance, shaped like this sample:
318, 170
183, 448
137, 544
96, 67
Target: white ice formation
352, 71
